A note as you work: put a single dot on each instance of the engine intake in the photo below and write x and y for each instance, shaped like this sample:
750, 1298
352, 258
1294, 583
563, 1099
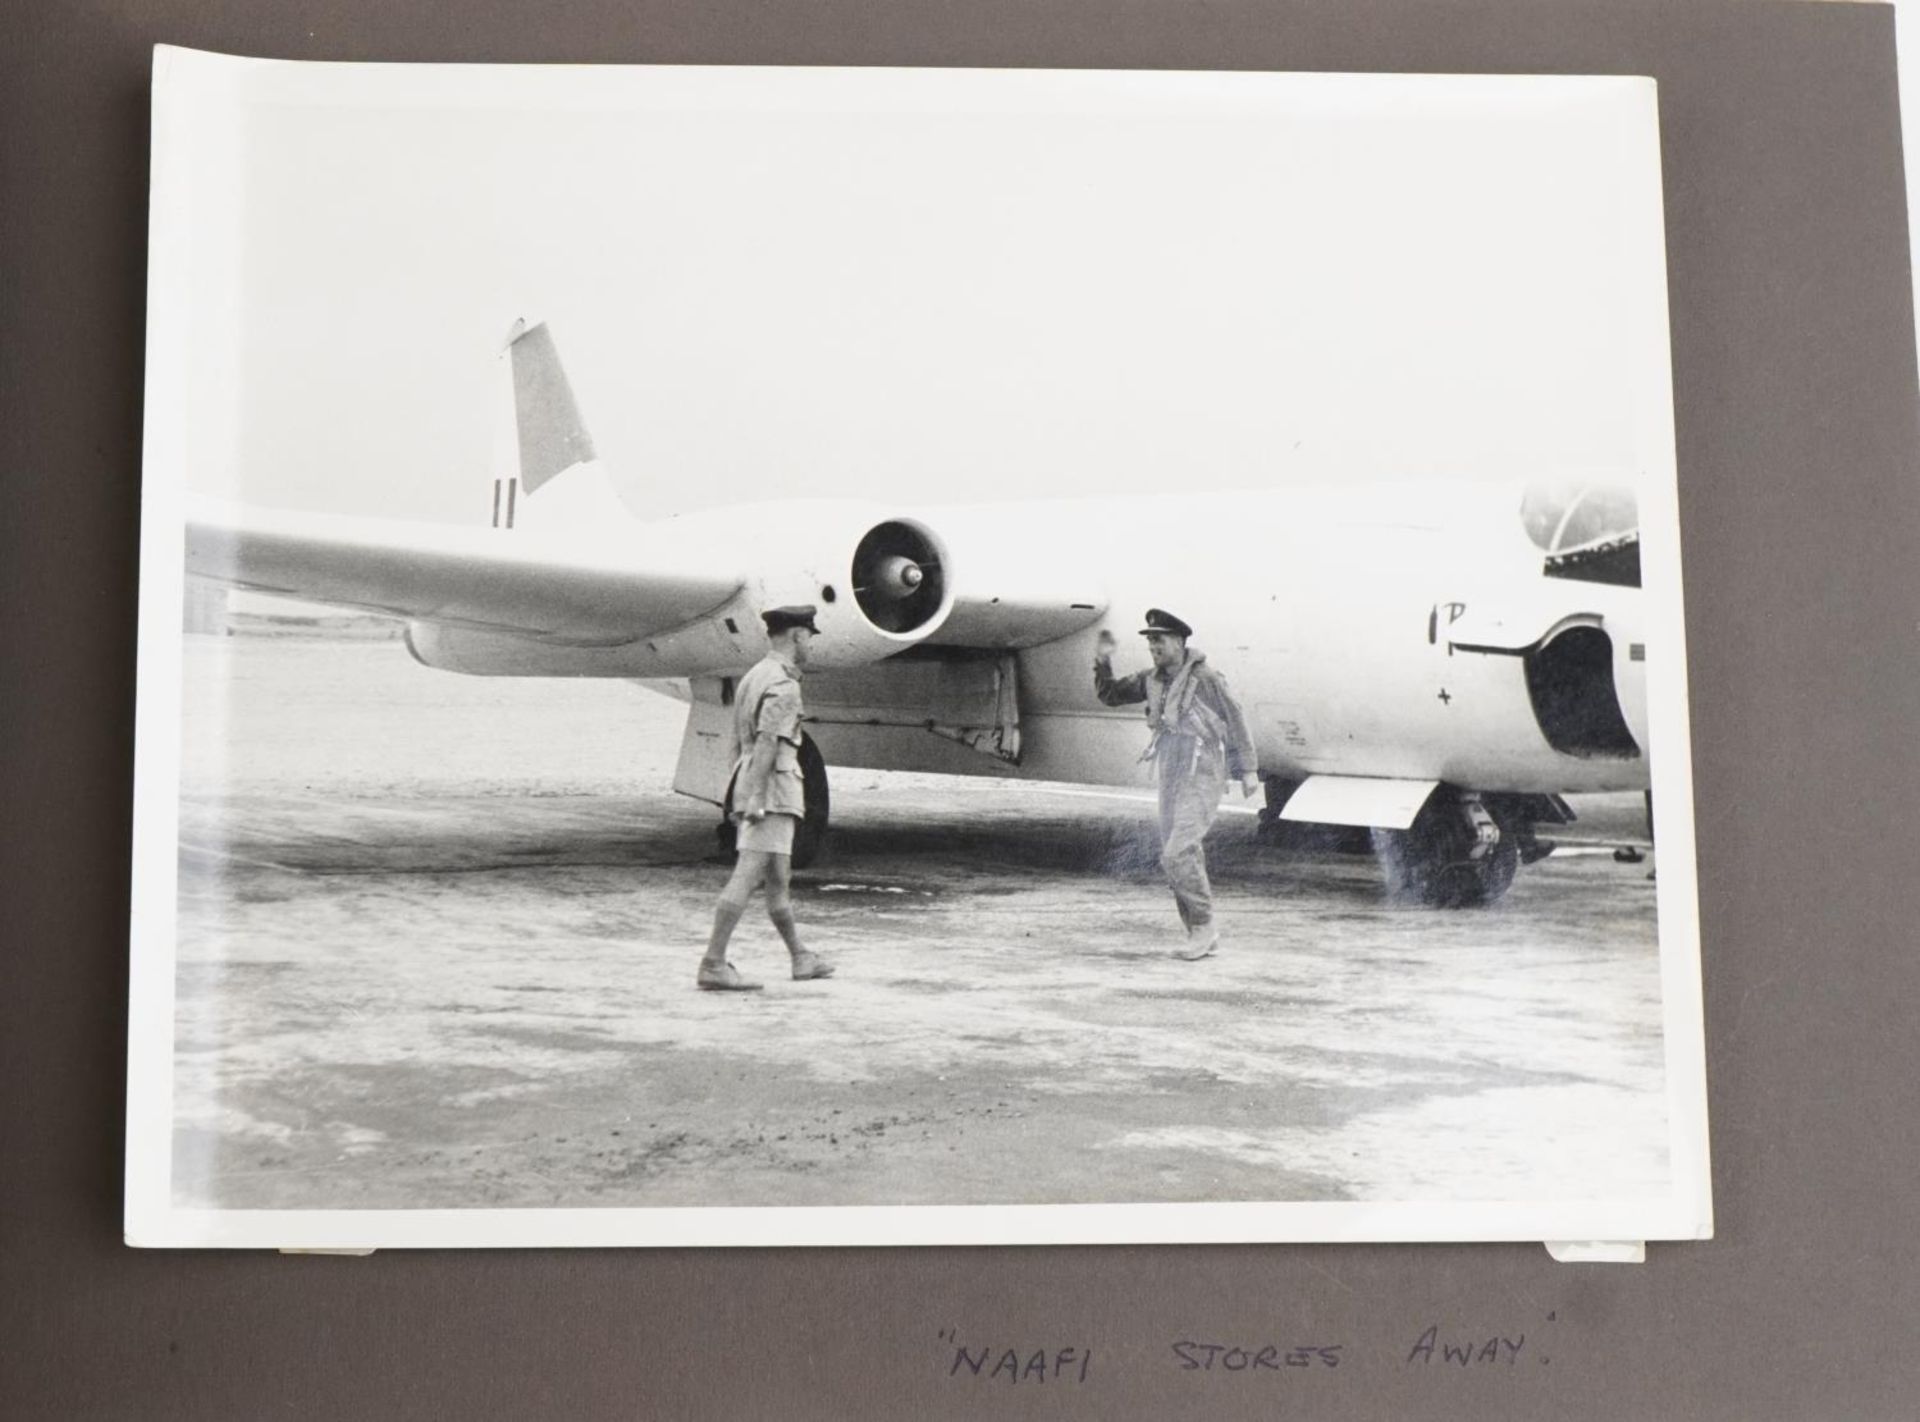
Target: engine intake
899, 577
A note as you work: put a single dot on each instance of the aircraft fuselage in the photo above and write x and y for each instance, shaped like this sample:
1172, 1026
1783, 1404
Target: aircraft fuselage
1389, 631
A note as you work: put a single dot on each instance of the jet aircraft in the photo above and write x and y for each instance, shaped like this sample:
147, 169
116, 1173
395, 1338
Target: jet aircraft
1438, 664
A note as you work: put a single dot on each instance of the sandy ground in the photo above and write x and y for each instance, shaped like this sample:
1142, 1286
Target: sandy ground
437, 940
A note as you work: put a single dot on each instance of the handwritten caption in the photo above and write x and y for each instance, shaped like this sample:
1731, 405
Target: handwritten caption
1019, 1365
1232, 1358
1028, 1364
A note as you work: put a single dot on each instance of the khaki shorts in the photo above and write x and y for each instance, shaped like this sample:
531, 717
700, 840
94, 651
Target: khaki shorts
773, 835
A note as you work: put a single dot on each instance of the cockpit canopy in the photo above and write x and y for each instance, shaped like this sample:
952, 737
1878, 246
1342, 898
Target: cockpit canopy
1589, 532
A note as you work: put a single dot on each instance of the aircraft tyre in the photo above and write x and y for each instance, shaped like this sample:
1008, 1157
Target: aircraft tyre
811, 834
1269, 828
1432, 861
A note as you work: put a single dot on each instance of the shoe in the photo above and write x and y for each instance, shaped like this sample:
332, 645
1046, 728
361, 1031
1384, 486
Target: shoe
810, 965
725, 978
1201, 946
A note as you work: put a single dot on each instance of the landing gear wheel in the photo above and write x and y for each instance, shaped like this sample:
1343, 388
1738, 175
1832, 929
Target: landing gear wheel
1269, 828
1440, 859
810, 836
811, 833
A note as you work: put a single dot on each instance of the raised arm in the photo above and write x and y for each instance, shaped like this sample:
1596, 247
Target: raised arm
1112, 690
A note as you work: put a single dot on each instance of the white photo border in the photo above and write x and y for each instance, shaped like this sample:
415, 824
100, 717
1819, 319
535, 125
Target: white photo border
195, 95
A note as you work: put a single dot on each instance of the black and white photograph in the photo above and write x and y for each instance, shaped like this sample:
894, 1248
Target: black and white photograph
837, 656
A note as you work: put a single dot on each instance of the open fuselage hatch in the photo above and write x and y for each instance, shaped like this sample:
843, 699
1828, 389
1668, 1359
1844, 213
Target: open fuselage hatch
1570, 682
1581, 672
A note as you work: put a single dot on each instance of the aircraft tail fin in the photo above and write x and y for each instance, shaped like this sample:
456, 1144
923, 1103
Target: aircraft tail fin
553, 437
550, 439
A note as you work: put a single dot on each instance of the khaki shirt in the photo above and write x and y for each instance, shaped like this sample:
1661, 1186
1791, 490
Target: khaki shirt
767, 703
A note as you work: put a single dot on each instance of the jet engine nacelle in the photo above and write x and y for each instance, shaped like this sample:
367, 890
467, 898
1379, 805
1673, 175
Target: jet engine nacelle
879, 585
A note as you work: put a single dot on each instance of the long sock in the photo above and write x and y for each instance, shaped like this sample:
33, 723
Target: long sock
783, 920
726, 917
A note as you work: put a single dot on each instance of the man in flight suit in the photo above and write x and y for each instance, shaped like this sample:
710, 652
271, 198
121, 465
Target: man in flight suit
767, 799
1199, 739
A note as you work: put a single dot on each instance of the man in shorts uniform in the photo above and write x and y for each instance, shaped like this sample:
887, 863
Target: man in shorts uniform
1200, 739
767, 800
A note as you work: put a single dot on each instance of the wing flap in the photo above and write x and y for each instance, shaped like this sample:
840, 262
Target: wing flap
1360, 801
585, 589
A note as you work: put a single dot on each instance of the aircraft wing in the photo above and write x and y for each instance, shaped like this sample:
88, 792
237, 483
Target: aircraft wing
571, 590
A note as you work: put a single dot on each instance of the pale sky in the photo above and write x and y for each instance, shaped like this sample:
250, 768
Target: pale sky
934, 287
